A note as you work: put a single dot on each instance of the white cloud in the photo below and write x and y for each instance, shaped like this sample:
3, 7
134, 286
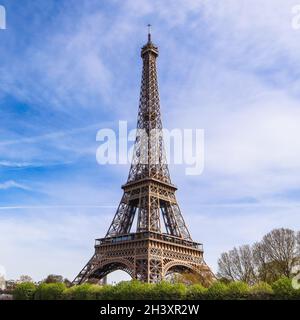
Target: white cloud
13, 184
8, 164
262, 138
52, 241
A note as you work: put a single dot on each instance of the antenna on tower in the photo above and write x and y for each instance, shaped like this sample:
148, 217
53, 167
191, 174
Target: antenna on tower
149, 32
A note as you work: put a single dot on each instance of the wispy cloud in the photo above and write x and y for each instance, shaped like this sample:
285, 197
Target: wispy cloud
49, 136
13, 164
13, 184
27, 165
51, 207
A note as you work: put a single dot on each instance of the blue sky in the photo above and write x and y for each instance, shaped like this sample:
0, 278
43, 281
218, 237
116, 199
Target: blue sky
69, 69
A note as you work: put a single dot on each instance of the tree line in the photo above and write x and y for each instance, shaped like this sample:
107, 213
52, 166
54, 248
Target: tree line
276, 255
136, 290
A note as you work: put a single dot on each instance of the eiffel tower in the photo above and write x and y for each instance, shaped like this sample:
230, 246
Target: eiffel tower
147, 254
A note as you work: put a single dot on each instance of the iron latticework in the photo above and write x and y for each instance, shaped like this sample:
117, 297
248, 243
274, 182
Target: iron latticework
144, 251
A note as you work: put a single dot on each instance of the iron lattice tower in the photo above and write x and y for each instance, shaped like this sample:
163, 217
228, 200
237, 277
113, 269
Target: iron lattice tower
147, 254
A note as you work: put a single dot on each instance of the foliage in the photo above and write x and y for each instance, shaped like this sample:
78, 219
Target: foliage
283, 289
83, 292
217, 291
167, 291
237, 290
50, 291
136, 290
107, 293
24, 291
261, 287
196, 292
133, 290
261, 291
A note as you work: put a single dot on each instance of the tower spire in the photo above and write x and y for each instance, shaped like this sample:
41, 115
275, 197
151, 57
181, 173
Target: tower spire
149, 32
149, 160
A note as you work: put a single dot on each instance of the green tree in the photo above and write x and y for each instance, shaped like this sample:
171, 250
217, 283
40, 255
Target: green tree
24, 291
167, 291
107, 293
261, 291
217, 291
132, 290
283, 289
50, 291
237, 290
196, 292
83, 292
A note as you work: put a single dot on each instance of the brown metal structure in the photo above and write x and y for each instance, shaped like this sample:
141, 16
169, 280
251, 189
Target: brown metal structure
147, 253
